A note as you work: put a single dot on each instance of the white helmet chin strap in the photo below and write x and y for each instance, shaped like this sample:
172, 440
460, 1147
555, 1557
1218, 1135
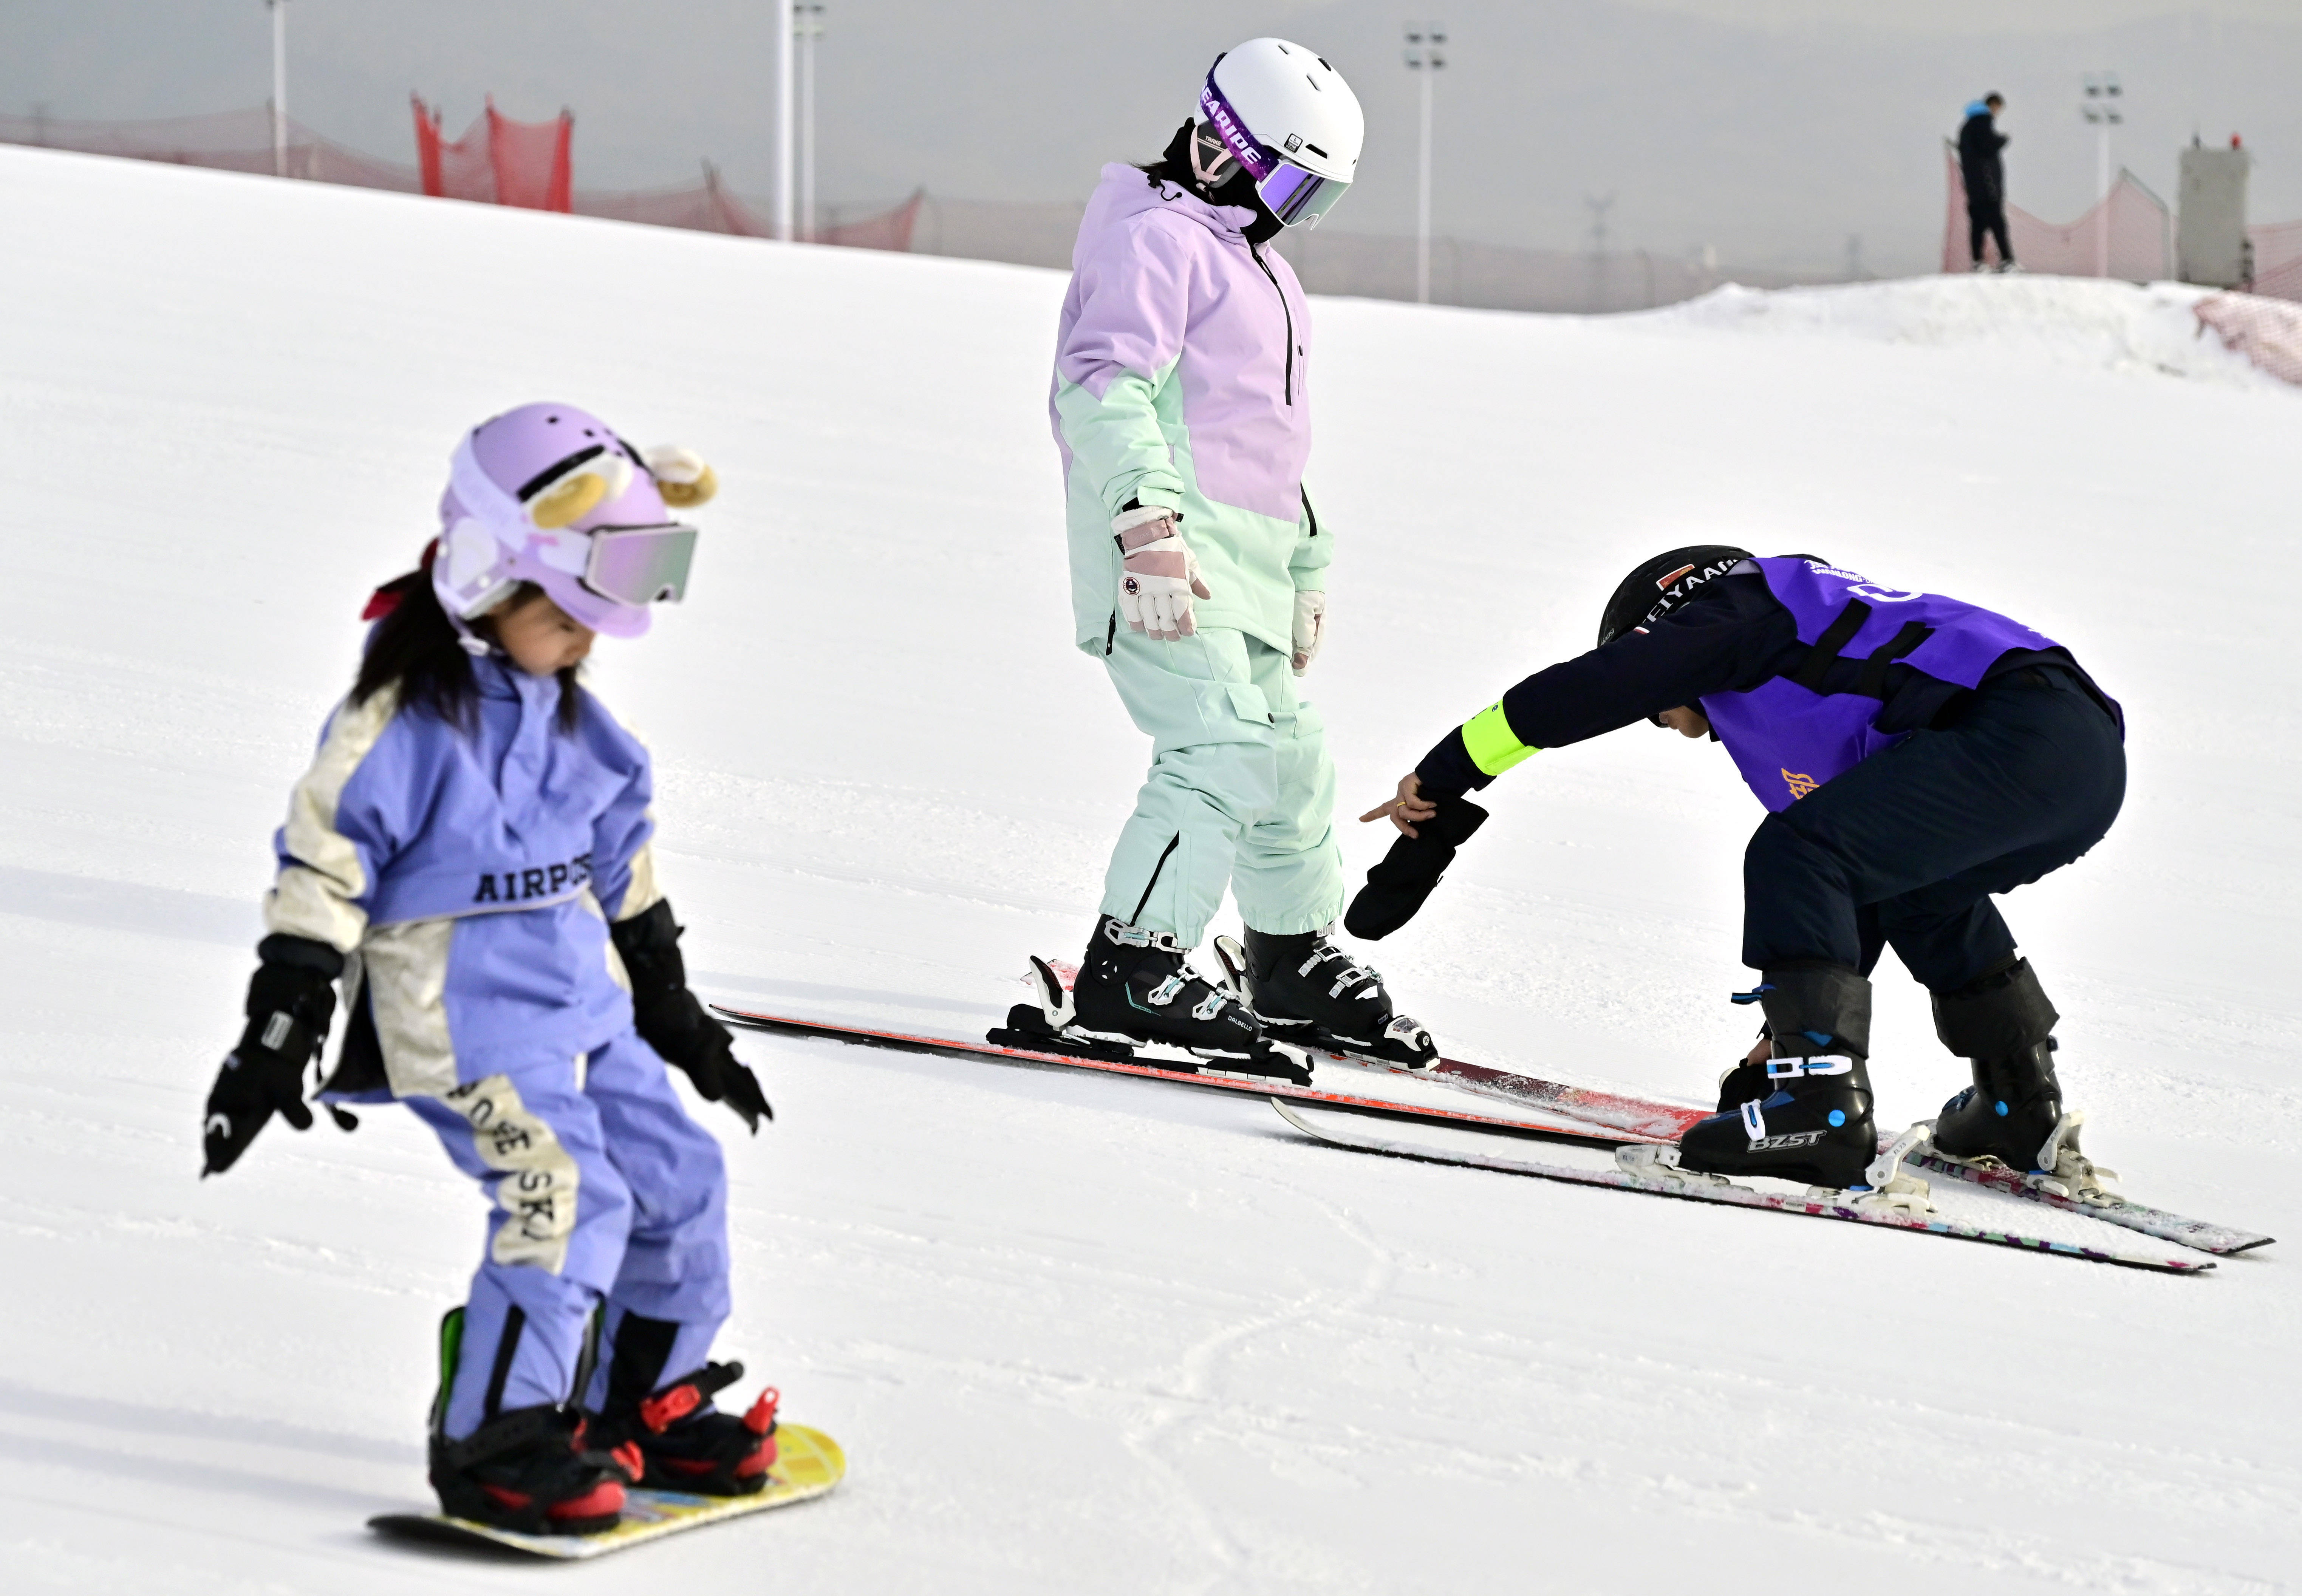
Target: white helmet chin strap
471, 642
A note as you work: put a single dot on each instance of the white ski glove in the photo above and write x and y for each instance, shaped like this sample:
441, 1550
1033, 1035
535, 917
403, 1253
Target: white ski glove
1159, 576
1310, 628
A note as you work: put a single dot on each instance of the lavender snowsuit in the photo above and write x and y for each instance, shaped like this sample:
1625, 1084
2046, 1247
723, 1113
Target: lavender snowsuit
1182, 372
469, 878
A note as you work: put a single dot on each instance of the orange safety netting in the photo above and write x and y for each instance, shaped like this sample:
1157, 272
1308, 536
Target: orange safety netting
2141, 234
230, 140
716, 209
498, 161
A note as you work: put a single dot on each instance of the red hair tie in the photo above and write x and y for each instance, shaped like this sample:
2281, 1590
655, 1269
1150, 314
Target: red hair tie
386, 598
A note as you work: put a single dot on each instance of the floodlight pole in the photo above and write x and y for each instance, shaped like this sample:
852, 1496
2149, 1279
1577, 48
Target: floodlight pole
279, 87
1424, 57
810, 24
2103, 106
784, 43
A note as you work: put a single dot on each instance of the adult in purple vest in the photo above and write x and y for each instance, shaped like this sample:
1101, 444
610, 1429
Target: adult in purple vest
1917, 754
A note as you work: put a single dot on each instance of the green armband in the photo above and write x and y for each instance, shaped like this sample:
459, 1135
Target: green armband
1494, 747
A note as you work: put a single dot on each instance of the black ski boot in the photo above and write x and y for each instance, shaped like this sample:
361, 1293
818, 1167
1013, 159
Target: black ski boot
669, 1429
683, 1443
2001, 1025
532, 1469
1138, 987
1305, 989
1805, 1113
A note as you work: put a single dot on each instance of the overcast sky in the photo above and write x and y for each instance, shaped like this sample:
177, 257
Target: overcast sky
1773, 129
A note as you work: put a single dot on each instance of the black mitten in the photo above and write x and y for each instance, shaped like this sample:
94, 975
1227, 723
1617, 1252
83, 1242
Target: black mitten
671, 1021
1396, 887
290, 1001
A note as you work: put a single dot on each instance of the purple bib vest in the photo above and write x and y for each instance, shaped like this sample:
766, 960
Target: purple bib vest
1787, 735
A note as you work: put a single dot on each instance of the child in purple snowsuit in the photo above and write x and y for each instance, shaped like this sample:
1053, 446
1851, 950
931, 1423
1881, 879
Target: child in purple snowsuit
469, 855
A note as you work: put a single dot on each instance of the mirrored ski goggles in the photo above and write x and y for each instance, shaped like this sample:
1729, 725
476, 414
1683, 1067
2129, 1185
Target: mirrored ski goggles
1299, 199
640, 565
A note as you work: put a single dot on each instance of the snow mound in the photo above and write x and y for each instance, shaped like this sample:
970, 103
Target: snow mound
2081, 321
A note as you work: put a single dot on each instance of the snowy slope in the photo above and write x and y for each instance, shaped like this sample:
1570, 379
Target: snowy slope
1077, 1333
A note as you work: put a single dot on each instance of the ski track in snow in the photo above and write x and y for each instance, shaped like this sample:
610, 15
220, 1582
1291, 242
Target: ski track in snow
1078, 1332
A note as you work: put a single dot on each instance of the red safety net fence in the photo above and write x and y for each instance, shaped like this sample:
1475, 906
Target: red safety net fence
2264, 322
497, 161
2141, 234
230, 140
714, 207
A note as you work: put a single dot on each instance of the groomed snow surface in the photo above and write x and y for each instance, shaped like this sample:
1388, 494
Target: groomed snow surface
1080, 1333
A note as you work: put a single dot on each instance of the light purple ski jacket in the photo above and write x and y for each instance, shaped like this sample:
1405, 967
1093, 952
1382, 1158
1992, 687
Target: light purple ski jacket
1182, 378
469, 877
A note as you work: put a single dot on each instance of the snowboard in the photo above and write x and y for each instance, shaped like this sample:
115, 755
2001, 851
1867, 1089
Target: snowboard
808, 1463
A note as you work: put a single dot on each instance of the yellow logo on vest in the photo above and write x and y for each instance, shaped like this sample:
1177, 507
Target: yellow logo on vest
1800, 786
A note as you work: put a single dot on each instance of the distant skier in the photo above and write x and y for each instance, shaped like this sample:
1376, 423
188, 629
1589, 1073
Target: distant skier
1182, 407
1983, 169
1918, 753
470, 853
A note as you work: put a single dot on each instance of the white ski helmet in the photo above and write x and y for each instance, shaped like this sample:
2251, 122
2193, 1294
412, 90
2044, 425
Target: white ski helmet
1291, 121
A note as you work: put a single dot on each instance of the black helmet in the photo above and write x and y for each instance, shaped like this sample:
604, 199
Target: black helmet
1663, 584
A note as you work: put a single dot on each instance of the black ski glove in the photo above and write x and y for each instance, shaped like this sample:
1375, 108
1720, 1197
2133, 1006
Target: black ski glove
1396, 887
290, 1001
672, 1021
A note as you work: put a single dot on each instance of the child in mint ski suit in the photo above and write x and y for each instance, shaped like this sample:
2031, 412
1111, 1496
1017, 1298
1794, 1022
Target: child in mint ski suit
1182, 382
1182, 407
470, 854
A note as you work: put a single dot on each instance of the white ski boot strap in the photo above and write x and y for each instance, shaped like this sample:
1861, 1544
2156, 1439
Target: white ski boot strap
1120, 936
2067, 1172
1821, 1063
1352, 974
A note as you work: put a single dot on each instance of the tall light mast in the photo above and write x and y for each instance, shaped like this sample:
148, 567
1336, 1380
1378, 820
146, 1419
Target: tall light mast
1426, 55
2104, 105
808, 14
784, 42
279, 87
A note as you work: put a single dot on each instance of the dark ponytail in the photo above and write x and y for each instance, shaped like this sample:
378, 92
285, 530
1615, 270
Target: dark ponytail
416, 649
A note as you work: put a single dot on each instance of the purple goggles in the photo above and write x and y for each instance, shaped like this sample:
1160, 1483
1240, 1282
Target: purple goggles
640, 565
1295, 194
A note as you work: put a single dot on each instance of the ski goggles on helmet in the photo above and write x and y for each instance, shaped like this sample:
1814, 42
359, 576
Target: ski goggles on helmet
1295, 194
640, 565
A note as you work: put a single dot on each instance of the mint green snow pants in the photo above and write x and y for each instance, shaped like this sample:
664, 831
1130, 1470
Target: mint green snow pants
1240, 791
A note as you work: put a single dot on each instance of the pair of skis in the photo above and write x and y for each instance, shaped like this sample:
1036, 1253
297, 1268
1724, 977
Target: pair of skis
1333, 1108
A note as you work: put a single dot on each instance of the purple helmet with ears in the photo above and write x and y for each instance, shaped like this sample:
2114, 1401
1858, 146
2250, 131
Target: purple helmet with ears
550, 494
